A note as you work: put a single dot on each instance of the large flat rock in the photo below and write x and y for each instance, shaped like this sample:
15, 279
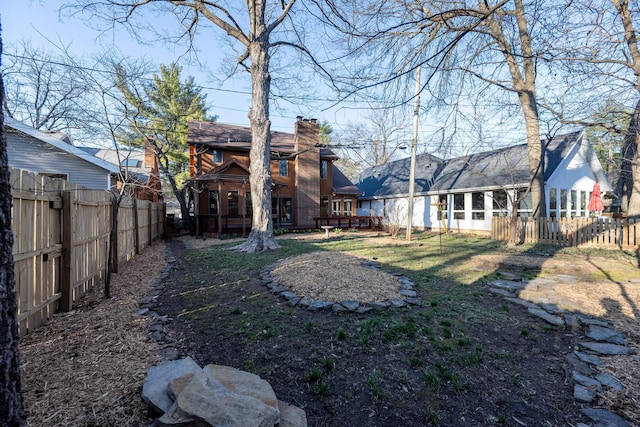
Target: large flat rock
606, 348
154, 389
211, 403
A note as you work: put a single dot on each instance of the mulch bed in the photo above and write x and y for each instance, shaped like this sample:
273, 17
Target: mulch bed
86, 367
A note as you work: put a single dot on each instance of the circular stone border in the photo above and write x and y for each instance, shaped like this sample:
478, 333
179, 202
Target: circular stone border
407, 295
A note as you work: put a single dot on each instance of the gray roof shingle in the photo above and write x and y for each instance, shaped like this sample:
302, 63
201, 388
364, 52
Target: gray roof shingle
491, 169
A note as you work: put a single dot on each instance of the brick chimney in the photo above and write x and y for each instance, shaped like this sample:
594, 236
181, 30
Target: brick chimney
307, 171
149, 155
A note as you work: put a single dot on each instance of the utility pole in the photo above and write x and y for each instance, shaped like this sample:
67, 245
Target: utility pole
414, 146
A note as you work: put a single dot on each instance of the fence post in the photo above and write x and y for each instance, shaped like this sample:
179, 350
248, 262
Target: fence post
66, 287
115, 233
150, 220
136, 233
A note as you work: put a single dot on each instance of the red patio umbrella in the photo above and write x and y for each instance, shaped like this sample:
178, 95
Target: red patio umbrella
595, 200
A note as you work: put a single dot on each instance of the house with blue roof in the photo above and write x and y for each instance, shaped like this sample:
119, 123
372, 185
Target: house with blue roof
464, 193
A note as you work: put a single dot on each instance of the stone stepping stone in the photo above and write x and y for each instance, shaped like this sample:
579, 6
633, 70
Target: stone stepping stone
586, 381
522, 302
600, 333
546, 316
552, 308
588, 358
572, 322
606, 349
602, 417
588, 320
579, 366
608, 380
583, 394
502, 292
509, 285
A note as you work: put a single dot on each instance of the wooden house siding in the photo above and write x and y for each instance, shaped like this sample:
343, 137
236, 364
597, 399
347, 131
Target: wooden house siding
28, 153
296, 196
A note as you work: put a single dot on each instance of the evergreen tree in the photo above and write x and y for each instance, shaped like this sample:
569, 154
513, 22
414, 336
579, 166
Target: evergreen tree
158, 113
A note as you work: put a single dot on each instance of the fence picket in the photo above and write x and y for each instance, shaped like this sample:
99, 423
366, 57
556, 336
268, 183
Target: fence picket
62, 240
606, 233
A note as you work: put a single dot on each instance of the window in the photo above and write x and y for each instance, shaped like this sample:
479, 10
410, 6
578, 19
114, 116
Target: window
347, 206
283, 210
500, 203
63, 176
335, 208
553, 202
442, 207
130, 163
574, 203
477, 206
286, 208
524, 207
217, 156
563, 203
324, 169
283, 168
324, 206
233, 203
213, 202
248, 204
458, 206
583, 203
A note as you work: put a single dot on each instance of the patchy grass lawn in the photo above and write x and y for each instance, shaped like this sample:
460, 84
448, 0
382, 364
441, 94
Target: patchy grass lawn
463, 357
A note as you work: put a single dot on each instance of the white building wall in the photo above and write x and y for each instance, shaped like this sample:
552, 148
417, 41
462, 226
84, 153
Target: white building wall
577, 176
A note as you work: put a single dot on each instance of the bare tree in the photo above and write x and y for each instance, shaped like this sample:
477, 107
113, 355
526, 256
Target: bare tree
467, 46
11, 405
256, 27
602, 60
43, 90
375, 141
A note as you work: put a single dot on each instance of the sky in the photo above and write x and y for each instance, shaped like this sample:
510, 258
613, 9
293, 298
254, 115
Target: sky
40, 22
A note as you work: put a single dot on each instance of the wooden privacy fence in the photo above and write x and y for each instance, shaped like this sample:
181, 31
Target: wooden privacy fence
606, 233
62, 238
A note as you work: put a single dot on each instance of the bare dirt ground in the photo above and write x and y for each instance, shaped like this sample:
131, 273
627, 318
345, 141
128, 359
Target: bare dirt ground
87, 367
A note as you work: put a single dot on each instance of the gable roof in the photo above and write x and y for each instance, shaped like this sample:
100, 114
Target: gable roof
58, 144
341, 184
116, 157
392, 179
490, 169
231, 137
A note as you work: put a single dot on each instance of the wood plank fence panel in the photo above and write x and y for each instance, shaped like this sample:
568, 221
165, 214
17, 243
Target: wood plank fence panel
144, 234
62, 242
605, 233
126, 230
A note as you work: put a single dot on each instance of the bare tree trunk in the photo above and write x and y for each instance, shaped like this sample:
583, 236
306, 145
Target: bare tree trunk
535, 152
629, 168
11, 406
261, 237
514, 238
